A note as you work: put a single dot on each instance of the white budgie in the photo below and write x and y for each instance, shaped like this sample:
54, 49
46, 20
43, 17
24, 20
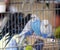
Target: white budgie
46, 28
3, 41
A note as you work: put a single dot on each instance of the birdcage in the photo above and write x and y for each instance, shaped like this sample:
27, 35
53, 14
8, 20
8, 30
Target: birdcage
30, 25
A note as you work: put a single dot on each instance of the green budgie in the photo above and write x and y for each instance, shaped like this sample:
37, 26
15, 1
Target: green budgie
28, 47
57, 32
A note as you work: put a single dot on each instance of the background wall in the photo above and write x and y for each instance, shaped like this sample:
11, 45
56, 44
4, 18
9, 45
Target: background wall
36, 8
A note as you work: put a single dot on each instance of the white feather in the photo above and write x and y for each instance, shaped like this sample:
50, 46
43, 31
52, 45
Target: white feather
46, 27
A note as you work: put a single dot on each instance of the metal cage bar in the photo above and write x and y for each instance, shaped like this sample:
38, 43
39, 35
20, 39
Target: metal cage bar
18, 16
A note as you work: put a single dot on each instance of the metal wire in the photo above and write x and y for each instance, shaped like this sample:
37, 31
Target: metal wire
51, 45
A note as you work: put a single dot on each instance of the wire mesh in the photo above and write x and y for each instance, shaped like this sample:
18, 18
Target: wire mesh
14, 34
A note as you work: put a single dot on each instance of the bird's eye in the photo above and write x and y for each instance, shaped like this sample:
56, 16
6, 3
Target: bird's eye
45, 25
